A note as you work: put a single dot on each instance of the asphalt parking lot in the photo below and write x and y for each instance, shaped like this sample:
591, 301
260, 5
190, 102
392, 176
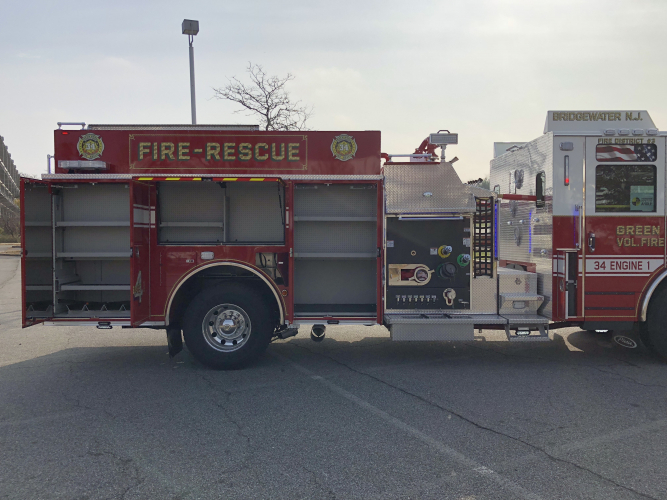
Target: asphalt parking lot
91, 414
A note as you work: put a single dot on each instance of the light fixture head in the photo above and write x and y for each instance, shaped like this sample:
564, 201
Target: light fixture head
443, 139
190, 27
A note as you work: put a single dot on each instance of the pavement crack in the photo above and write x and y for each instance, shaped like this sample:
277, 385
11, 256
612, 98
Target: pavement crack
600, 368
614, 373
429, 402
225, 406
127, 467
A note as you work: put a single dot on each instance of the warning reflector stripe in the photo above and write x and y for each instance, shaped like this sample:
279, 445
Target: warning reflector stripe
216, 179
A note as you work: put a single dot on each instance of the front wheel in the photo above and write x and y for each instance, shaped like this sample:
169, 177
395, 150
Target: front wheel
227, 326
654, 331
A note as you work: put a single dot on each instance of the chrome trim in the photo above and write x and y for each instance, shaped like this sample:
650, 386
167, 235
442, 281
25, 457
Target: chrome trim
111, 321
225, 263
47, 177
649, 294
187, 126
340, 322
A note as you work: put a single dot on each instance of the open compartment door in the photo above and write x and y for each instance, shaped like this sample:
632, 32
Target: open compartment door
36, 252
142, 216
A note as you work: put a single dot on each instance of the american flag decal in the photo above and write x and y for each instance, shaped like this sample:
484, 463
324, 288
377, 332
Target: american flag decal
629, 152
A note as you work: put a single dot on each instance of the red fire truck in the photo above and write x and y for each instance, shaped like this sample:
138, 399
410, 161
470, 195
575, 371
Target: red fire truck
229, 237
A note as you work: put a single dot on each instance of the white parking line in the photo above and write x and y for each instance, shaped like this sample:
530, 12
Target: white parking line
475, 467
608, 438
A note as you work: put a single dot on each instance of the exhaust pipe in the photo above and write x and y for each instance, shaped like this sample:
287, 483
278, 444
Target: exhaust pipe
317, 333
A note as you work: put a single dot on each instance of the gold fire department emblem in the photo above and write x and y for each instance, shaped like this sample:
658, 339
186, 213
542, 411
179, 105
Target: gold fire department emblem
90, 146
344, 147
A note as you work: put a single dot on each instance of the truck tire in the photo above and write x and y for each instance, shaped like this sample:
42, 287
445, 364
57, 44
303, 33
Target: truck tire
653, 332
227, 326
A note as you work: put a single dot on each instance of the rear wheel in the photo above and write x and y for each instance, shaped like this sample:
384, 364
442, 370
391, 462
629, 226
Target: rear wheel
654, 331
227, 326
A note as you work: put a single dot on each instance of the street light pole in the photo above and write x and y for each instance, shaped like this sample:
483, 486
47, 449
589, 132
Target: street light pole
191, 28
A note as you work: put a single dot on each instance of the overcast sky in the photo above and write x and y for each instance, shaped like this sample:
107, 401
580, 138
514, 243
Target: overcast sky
488, 70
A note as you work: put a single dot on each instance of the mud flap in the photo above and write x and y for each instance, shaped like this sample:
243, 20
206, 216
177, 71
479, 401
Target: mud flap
174, 341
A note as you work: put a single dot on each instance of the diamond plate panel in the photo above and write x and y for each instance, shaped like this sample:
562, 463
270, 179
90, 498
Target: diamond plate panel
483, 295
426, 188
522, 221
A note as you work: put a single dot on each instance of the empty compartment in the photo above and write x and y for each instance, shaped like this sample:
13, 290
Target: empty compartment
93, 241
93, 203
221, 212
93, 274
335, 201
92, 246
191, 212
38, 244
93, 304
330, 238
39, 303
38, 241
340, 286
256, 212
38, 273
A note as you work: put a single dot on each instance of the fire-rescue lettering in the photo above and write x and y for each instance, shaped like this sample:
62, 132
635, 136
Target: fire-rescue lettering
260, 155
230, 151
213, 151
167, 149
603, 116
639, 230
183, 150
275, 156
245, 151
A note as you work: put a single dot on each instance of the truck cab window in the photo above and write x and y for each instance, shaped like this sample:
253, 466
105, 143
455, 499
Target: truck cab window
540, 181
625, 188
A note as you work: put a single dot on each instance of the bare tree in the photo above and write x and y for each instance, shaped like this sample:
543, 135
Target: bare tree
10, 226
266, 97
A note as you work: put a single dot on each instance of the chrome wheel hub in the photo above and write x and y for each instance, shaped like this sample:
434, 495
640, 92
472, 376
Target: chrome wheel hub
226, 327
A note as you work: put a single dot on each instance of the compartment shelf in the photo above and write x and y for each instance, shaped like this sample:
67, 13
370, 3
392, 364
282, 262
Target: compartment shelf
83, 223
38, 255
82, 286
39, 287
335, 255
94, 314
38, 314
93, 255
191, 224
309, 218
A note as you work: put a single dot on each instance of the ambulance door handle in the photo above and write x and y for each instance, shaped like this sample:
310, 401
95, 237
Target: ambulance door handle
591, 241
